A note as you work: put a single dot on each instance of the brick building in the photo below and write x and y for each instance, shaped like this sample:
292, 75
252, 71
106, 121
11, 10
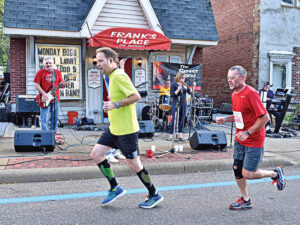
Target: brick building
39, 28
261, 35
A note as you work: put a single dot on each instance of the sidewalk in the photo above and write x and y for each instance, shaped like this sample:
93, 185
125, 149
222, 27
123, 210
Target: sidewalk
72, 161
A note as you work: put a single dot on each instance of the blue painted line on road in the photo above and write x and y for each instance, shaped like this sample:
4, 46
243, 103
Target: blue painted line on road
130, 191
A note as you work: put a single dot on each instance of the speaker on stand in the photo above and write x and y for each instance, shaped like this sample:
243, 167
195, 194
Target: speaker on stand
34, 140
203, 139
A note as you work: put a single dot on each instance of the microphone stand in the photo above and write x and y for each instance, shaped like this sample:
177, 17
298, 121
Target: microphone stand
53, 108
191, 112
172, 150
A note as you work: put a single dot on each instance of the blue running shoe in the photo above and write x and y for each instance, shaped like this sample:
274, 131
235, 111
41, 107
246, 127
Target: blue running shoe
152, 201
241, 204
113, 194
279, 180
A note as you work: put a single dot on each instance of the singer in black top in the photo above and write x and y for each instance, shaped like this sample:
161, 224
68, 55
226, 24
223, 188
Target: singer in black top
178, 93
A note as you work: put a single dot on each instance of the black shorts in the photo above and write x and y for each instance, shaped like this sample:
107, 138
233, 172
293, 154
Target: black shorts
128, 143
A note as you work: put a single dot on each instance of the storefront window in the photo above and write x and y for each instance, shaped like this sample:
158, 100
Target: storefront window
288, 2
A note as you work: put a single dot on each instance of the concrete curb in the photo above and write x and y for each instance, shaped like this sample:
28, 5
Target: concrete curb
91, 172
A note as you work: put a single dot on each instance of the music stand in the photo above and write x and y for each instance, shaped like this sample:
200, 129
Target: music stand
172, 150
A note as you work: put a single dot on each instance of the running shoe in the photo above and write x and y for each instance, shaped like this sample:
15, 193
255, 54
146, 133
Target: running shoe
241, 204
279, 180
110, 158
113, 194
151, 201
118, 155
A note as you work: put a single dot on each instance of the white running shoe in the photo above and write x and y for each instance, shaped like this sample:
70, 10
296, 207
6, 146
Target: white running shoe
118, 155
110, 158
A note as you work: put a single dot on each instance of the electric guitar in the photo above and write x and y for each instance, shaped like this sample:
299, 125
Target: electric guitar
45, 103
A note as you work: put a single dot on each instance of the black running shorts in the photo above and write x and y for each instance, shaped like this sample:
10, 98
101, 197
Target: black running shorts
128, 144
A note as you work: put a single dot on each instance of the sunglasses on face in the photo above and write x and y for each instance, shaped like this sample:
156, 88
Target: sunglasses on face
232, 77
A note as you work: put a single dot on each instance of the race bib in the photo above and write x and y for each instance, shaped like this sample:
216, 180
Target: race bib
238, 118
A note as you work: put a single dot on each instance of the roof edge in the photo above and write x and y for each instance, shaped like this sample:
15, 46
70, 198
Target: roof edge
41, 32
151, 16
194, 42
91, 18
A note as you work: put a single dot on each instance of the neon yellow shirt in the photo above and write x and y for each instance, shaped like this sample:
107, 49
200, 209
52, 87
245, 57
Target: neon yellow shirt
123, 120
164, 91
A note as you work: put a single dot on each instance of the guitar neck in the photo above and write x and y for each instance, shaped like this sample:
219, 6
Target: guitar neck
59, 86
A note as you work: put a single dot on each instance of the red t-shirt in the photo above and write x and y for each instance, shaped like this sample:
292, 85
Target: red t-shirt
247, 107
44, 79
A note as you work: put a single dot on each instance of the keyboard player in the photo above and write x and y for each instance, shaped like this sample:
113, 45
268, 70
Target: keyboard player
267, 95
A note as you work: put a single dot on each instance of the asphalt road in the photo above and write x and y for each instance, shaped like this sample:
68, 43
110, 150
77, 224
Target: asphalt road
196, 198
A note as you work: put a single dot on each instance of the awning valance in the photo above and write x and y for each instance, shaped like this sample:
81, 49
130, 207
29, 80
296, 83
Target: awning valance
130, 38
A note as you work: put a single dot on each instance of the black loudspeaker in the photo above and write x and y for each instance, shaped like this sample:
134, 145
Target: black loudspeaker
34, 140
201, 140
3, 113
146, 129
26, 104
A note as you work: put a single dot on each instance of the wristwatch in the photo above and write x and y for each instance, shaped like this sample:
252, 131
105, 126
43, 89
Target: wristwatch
248, 132
117, 105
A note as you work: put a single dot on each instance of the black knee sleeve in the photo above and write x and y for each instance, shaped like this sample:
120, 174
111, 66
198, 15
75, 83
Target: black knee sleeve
237, 168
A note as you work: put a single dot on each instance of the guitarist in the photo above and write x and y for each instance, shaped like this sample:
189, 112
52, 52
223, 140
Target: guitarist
44, 83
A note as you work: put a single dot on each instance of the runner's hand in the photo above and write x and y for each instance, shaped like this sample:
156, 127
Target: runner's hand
242, 135
220, 120
108, 105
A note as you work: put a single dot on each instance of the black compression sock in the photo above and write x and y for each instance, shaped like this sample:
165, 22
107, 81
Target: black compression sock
105, 168
146, 180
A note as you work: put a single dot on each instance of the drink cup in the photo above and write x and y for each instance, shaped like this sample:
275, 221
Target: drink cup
153, 148
180, 148
176, 148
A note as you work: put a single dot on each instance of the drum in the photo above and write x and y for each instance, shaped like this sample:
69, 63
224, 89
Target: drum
165, 102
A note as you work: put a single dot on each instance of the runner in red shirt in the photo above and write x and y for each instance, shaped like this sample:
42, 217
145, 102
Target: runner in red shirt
250, 117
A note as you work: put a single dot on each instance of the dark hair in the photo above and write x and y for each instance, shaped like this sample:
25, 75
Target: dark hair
109, 53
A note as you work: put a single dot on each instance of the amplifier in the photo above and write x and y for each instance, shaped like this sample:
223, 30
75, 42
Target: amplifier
226, 108
146, 129
26, 104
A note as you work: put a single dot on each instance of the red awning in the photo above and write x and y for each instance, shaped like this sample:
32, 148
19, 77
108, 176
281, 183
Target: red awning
130, 38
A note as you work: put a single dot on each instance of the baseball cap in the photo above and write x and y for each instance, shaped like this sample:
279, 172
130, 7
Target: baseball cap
266, 83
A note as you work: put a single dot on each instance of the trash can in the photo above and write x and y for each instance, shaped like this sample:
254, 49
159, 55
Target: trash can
72, 116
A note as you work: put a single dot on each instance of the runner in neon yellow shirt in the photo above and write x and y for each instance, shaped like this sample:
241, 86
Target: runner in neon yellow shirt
123, 130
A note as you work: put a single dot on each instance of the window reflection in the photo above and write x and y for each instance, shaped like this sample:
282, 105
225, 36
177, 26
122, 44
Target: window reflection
288, 2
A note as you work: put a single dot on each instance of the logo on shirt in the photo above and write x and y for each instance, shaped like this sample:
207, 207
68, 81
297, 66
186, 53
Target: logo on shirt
48, 78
